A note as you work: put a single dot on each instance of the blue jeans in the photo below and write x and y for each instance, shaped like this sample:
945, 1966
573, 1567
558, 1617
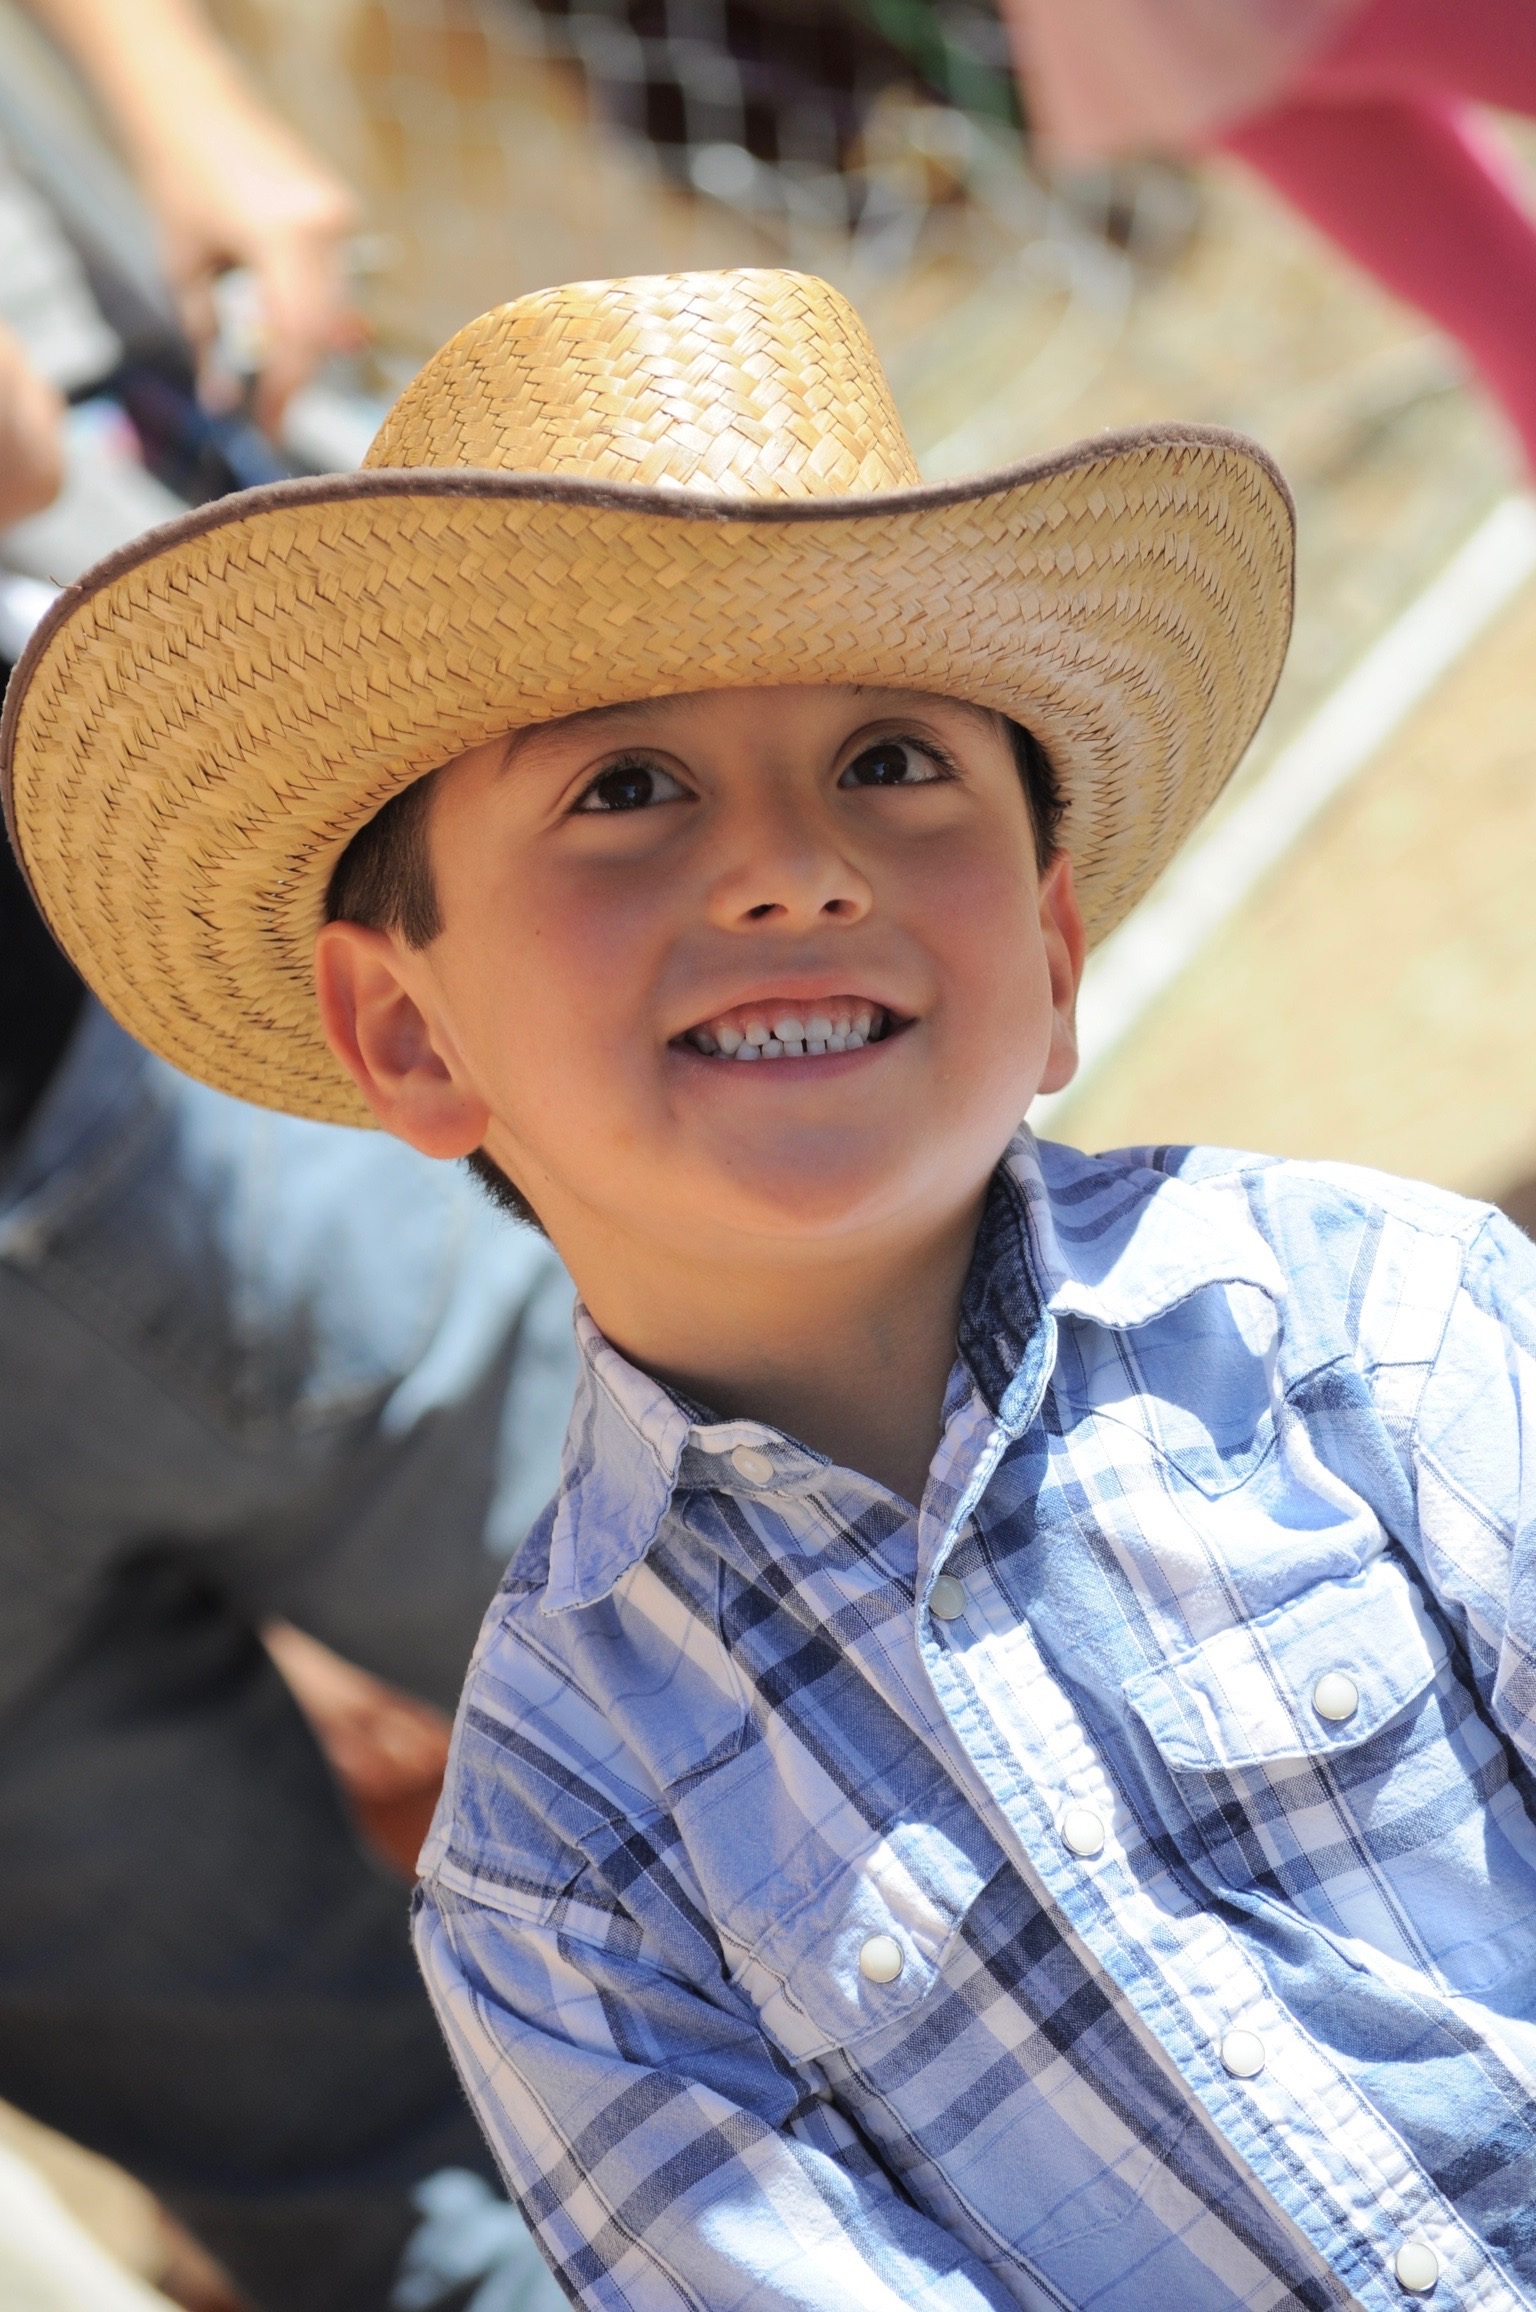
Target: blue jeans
248, 1367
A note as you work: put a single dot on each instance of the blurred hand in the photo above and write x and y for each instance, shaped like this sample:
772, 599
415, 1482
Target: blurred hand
31, 440
237, 189
386, 1749
229, 185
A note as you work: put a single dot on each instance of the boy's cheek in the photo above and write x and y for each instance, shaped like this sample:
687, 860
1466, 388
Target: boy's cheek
982, 924
988, 867
587, 948
542, 983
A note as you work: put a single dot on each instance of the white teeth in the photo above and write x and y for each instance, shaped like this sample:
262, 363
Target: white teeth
789, 1037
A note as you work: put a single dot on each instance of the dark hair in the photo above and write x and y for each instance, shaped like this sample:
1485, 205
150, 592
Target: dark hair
1042, 789
384, 879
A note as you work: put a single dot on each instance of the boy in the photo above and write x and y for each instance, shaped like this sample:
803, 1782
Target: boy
1002, 1777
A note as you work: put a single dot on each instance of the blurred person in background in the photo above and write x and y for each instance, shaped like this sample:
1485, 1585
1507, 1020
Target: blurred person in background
241, 1432
227, 185
252, 1372
1362, 113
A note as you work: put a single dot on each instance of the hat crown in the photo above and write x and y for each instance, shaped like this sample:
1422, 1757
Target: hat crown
753, 384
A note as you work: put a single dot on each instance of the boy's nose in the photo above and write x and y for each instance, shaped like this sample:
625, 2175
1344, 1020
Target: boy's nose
790, 876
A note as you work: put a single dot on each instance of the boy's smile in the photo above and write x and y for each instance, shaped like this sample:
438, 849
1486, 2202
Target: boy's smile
745, 990
792, 1027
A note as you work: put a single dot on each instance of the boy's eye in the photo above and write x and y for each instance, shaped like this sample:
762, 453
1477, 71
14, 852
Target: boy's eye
632, 787
892, 763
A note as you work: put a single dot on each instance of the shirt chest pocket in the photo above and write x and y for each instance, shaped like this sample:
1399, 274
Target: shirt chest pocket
869, 1944
1308, 1748
1324, 1672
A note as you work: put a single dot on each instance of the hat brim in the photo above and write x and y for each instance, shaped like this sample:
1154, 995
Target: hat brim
204, 721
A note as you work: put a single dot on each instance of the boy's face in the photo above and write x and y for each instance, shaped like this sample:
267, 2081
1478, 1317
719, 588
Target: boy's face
634, 900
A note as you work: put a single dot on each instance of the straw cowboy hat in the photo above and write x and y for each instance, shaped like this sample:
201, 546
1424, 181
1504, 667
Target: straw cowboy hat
605, 492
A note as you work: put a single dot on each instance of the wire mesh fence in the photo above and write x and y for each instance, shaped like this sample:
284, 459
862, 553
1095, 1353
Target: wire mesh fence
504, 143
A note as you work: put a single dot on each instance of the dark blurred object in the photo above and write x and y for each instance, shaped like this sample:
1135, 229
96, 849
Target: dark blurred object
728, 92
42, 1001
197, 453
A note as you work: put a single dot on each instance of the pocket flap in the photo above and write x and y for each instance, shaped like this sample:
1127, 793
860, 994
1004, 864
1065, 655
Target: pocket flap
807, 1976
1250, 1693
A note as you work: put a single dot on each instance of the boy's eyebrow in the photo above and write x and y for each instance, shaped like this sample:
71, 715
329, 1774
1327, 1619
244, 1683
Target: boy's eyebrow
516, 740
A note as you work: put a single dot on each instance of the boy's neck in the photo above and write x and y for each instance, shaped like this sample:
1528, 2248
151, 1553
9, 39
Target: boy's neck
850, 1353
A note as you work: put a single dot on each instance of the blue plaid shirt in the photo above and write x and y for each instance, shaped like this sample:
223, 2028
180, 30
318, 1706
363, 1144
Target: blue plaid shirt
1114, 1885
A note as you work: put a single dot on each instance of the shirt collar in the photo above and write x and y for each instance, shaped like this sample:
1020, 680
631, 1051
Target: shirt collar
624, 1461
1116, 1243
623, 1449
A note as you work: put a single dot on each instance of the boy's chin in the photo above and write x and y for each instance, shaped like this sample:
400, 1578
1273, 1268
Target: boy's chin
817, 1194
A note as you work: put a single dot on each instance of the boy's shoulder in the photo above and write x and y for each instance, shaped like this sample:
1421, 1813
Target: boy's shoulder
1283, 1198
1343, 1248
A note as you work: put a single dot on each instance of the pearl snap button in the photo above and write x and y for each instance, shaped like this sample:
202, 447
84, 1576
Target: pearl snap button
1242, 2052
1417, 2267
1082, 1833
946, 1599
1335, 1697
880, 1961
755, 1467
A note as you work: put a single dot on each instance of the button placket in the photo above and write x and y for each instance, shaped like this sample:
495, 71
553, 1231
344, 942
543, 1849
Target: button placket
1082, 1832
1416, 2267
947, 1600
1210, 1976
1242, 2054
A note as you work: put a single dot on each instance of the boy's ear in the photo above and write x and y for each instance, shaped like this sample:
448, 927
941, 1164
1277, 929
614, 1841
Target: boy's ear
1066, 947
384, 1039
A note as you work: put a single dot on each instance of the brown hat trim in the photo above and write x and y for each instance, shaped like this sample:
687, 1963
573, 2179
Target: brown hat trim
572, 489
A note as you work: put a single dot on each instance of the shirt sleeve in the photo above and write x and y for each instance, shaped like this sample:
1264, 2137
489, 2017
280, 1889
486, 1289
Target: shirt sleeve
1473, 1464
662, 2152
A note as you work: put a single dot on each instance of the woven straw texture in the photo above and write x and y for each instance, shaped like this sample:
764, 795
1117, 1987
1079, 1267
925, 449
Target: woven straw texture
605, 492
753, 385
